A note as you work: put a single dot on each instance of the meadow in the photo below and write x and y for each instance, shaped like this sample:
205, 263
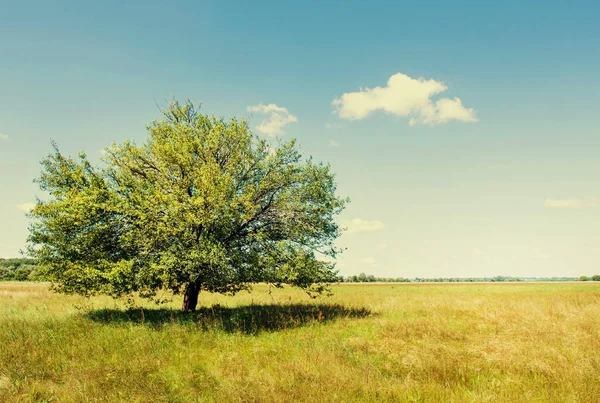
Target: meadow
377, 342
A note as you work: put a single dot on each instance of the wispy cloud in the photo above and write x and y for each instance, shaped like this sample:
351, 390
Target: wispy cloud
478, 252
276, 118
370, 260
333, 125
404, 96
572, 203
26, 207
3, 136
358, 225
333, 143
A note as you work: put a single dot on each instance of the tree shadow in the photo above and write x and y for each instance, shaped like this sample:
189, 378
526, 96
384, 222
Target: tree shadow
248, 319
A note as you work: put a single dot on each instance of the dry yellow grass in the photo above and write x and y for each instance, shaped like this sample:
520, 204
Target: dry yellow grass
394, 342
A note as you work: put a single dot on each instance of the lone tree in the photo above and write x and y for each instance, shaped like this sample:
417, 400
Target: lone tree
203, 204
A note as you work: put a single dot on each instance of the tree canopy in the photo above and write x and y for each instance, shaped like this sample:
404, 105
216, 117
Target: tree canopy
203, 204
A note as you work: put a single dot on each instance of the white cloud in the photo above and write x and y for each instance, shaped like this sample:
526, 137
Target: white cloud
3, 136
333, 143
26, 207
369, 261
276, 118
333, 126
572, 203
359, 225
542, 256
404, 96
478, 252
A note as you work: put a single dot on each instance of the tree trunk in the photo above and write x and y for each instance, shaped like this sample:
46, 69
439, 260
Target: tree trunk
190, 298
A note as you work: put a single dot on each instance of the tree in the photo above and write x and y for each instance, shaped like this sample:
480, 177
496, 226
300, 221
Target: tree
584, 278
203, 204
596, 277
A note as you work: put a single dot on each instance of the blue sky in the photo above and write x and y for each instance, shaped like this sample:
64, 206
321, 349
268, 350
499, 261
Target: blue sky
506, 182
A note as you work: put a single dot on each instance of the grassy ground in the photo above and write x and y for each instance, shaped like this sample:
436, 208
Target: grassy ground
401, 342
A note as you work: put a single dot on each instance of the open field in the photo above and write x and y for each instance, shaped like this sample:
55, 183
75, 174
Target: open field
393, 342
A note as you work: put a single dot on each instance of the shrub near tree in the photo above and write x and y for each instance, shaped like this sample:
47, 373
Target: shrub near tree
201, 205
595, 277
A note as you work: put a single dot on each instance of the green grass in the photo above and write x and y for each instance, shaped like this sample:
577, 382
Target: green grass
400, 342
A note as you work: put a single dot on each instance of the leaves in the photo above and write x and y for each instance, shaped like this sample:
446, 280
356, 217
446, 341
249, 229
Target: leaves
202, 200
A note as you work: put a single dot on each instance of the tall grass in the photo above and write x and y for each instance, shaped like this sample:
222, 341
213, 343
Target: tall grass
401, 342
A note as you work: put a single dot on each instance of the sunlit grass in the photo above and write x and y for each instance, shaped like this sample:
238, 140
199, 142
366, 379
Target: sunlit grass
396, 342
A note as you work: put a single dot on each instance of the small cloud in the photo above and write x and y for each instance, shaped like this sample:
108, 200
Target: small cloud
358, 225
26, 207
542, 256
276, 118
407, 97
271, 149
333, 125
369, 261
333, 143
572, 203
381, 245
3, 136
478, 252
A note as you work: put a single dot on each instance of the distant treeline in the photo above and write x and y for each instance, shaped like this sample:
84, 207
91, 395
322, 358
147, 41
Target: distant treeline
24, 269
18, 269
369, 278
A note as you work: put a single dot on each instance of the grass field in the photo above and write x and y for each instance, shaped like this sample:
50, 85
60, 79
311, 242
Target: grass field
401, 342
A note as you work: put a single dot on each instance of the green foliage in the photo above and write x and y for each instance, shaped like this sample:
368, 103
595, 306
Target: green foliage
19, 269
201, 202
595, 277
